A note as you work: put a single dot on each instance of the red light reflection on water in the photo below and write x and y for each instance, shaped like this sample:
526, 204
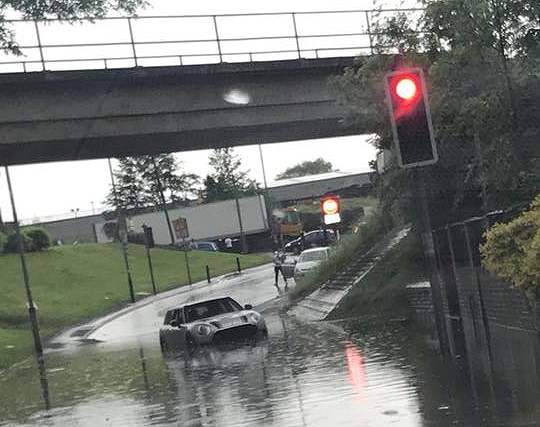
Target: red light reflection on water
356, 370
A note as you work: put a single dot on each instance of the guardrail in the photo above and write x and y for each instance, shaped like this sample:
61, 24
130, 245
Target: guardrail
121, 42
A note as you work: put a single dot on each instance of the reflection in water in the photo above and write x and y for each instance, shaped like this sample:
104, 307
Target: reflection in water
304, 375
355, 368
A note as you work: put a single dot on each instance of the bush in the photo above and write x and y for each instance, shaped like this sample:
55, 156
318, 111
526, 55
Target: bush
34, 239
3, 240
12, 245
512, 250
40, 238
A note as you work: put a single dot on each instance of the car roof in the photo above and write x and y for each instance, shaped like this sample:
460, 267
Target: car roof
200, 301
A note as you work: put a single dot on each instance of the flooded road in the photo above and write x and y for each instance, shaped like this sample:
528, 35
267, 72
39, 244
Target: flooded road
318, 374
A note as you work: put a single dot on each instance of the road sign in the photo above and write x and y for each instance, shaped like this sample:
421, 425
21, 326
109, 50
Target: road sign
180, 228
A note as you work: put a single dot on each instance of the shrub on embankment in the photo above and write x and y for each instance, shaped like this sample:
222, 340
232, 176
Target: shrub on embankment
73, 283
383, 290
512, 250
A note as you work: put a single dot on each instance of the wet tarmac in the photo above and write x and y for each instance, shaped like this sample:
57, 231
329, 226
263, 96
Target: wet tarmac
367, 372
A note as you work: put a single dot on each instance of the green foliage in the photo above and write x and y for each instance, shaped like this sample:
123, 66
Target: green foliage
512, 250
3, 240
308, 167
12, 244
139, 180
227, 181
62, 9
482, 64
383, 289
41, 239
34, 239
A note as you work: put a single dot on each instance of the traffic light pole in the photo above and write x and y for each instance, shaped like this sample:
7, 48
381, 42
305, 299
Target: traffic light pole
429, 256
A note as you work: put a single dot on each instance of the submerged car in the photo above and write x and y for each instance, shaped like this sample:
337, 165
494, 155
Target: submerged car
213, 321
309, 259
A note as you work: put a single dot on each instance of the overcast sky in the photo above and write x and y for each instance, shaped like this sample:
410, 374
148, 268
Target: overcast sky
55, 189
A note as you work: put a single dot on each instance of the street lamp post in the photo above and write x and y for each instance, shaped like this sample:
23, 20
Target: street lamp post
121, 220
75, 212
32, 309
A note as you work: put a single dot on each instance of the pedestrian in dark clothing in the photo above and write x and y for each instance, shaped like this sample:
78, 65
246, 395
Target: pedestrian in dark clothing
278, 259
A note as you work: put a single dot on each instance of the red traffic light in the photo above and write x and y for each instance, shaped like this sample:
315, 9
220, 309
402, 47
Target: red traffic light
406, 88
330, 205
410, 117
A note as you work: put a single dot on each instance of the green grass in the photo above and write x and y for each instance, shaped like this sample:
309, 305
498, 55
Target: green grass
73, 283
382, 290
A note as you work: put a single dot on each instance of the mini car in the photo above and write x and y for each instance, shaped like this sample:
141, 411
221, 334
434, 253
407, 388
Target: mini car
213, 321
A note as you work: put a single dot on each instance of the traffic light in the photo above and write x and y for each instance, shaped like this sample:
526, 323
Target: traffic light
410, 116
330, 208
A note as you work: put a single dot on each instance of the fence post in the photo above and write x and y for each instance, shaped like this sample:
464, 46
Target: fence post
217, 38
369, 33
208, 274
40, 47
132, 43
238, 264
296, 34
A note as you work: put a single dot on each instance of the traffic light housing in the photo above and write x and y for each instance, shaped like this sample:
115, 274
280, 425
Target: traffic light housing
410, 117
330, 210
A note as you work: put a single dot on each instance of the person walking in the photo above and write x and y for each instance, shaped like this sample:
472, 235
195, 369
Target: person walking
277, 259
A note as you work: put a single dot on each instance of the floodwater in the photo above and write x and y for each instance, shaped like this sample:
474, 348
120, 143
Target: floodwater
361, 373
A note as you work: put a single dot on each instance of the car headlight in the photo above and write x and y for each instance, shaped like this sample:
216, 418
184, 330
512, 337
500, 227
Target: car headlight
255, 317
203, 329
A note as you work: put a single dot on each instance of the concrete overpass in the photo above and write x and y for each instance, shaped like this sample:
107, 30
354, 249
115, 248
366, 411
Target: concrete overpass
71, 115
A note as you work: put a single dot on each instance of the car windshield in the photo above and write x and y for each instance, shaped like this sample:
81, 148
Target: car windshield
211, 308
313, 256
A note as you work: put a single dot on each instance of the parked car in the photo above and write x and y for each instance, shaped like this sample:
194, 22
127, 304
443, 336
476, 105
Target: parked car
210, 321
312, 239
309, 259
205, 246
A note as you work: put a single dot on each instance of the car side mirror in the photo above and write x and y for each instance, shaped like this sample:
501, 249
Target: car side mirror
173, 323
248, 306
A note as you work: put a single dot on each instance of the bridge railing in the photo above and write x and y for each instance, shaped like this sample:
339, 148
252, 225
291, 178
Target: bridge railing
122, 42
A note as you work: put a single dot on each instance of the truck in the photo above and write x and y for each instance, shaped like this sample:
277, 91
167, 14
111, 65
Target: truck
209, 221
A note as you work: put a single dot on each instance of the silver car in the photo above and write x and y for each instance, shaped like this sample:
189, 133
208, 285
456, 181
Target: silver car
211, 321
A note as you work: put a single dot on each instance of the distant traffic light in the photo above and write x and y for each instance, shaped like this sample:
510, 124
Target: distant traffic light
330, 207
410, 116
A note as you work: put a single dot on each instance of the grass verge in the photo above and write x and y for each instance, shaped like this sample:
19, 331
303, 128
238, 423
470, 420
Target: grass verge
74, 283
382, 290
348, 248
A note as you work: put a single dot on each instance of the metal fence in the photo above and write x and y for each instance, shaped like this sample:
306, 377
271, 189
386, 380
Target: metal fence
121, 42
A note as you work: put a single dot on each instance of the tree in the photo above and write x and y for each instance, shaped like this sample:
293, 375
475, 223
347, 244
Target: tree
70, 10
137, 184
308, 167
227, 181
512, 250
483, 64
